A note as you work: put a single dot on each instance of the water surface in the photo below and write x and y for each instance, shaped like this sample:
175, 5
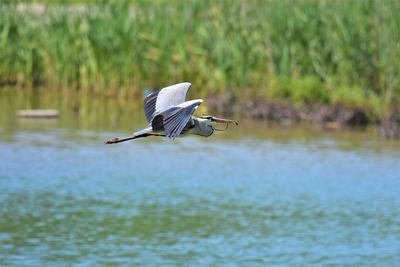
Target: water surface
257, 195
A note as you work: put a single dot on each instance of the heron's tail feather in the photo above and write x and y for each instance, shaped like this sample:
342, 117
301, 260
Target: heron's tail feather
147, 130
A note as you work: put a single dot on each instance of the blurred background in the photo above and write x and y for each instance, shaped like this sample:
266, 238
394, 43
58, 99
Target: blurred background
311, 176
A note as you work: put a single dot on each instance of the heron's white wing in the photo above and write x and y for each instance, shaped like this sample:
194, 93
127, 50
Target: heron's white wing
171, 96
175, 118
150, 105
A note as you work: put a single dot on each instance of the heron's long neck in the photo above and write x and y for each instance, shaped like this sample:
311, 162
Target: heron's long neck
201, 127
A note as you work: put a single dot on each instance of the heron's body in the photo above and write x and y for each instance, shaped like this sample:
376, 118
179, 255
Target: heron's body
195, 125
168, 114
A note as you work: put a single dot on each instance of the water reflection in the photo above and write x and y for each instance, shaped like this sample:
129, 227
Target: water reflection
124, 115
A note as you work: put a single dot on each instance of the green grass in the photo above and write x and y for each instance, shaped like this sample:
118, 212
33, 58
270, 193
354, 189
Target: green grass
307, 51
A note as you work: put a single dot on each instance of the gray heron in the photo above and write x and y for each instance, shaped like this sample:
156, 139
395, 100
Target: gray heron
169, 114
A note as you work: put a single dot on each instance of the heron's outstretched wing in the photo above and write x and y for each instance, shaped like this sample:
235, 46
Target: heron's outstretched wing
175, 118
150, 105
171, 96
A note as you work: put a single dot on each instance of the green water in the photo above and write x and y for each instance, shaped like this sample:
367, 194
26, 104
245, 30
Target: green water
256, 195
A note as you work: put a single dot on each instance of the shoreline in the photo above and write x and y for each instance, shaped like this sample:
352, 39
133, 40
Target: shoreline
324, 115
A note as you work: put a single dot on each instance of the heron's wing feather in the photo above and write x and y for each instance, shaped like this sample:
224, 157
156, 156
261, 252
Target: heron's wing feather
176, 118
171, 96
150, 105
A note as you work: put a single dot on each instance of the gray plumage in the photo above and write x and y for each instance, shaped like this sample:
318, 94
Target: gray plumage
169, 114
171, 96
150, 106
175, 118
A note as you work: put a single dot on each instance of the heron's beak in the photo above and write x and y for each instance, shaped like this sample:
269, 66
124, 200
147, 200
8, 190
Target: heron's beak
220, 120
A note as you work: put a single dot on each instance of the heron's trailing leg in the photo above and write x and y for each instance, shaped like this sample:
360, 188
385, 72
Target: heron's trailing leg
120, 140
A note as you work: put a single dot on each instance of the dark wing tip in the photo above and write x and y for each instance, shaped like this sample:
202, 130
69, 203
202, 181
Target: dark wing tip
176, 118
150, 105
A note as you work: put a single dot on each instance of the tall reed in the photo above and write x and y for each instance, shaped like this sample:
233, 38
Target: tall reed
306, 50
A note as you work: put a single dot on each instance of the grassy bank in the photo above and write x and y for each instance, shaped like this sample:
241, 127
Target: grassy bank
317, 51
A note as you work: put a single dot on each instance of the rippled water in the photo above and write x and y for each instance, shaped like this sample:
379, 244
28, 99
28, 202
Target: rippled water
264, 196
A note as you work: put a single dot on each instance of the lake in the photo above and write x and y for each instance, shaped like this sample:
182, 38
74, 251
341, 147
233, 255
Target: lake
256, 195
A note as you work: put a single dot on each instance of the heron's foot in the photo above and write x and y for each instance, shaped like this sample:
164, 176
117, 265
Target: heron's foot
112, 141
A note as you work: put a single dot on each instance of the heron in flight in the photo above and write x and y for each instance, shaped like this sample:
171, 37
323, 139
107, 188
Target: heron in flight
169, 114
